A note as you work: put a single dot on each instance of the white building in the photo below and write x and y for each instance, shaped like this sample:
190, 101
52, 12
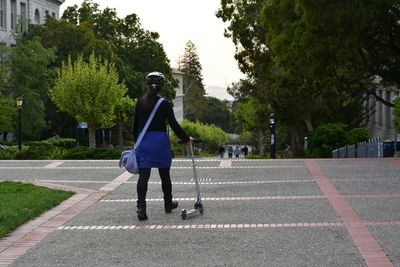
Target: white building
178, 101
19, 12
381, 116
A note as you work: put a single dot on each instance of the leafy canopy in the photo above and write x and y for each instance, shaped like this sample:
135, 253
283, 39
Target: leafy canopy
89, 91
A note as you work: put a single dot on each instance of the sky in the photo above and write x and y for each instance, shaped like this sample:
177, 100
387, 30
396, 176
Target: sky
178, 21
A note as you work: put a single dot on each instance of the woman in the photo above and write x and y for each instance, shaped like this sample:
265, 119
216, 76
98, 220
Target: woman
154, 151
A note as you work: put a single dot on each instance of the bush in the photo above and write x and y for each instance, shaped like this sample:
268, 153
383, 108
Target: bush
92, 153
212, 135
256, 156
6, 154
56, 141
47, 151
357, 135
40, 152
328, 137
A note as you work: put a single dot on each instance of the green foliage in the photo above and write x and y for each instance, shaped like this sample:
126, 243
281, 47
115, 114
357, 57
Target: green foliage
92, 153
137, 51
7, 113
301, 60
329, 137
71, 41
190, 63
216, 112
31, 78
7, 154
124, 110
85, 30
89, 92
47, 151
20, 203
247, 137
396, 112
357, 135
256, 156
40, 152
194, 100
210, 134
56, 141
254, 115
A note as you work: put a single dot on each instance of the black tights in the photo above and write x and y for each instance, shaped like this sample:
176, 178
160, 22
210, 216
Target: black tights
144, 176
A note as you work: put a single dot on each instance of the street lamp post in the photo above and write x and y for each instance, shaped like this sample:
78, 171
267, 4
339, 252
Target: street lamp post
19, 106
272, 134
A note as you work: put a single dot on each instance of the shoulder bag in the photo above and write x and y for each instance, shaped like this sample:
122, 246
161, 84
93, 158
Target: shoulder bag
128, 157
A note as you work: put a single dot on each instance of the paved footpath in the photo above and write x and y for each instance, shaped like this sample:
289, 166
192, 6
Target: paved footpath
310, 212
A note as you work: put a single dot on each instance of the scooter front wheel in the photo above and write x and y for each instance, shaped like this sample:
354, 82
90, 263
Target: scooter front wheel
184, 214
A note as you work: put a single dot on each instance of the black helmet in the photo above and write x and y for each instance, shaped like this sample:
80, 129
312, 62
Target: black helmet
155, 80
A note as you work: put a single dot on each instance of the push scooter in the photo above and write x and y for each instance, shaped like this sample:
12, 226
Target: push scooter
198, 206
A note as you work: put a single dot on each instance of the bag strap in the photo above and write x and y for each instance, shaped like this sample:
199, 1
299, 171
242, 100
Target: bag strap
153, 112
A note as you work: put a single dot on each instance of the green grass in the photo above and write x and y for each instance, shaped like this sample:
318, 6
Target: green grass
20, 203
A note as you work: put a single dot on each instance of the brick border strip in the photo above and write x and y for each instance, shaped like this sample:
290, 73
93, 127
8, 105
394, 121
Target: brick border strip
31, 233
176, 167
211, 226
220, 198
369, 248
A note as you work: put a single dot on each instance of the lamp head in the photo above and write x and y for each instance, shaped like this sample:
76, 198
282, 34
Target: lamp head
19, 102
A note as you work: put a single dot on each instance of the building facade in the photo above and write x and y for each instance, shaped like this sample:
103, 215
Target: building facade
380, 123
178, 101
16, 13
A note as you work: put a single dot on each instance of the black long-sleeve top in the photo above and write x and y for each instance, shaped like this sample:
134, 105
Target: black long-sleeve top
164, 112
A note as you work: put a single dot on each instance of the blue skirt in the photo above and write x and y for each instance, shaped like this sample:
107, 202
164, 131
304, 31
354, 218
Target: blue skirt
154, 150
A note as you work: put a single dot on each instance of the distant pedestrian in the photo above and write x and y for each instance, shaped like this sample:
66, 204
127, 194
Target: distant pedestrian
230, 152
245, 151
288, 148
221, 151
238, 151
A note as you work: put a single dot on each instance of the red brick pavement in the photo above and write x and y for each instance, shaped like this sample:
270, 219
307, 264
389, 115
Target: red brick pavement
369, 248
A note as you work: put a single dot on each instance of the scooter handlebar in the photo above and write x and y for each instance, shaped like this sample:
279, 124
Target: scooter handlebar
194, 141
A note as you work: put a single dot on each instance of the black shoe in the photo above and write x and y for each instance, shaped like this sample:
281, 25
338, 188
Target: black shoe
141, 211
170, 205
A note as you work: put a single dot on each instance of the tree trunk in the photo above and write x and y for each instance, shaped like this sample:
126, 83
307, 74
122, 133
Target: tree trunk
261, 144
120, 133
296, 143
92, 136
309, 125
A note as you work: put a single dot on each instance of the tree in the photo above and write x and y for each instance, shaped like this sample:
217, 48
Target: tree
216, 112
396, 112
286, 62
124, 111
336, 42
254, 114
31, 78
7, 103
193, 87
137, 50
190, 63
89, 92
266, 81
122, 41
193, 100
7, 113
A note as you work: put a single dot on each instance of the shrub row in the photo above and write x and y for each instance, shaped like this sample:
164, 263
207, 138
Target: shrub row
329, 137
212, 135
55, 153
